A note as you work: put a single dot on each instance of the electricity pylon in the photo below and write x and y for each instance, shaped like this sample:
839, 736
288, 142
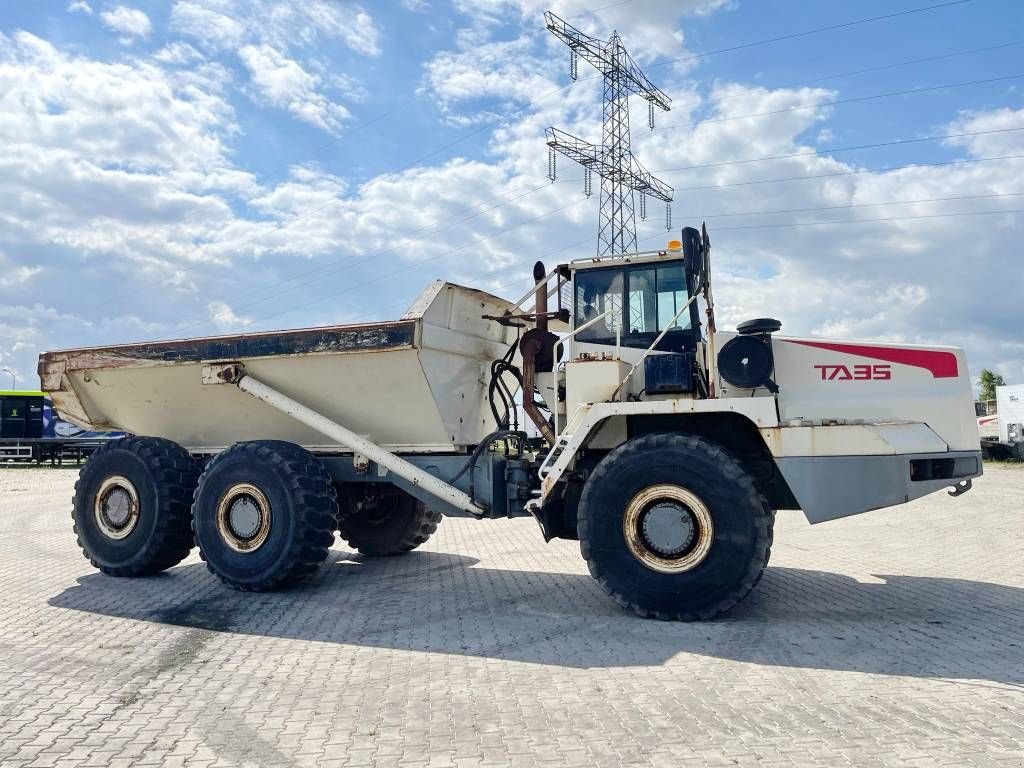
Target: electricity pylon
621, 173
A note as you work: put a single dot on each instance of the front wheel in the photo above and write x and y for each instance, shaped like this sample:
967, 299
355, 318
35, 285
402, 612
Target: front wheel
673, 527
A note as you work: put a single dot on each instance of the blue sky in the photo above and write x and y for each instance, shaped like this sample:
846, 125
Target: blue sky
202, 166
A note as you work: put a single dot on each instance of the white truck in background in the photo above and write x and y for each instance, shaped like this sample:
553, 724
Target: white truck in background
666, 445
1002, 432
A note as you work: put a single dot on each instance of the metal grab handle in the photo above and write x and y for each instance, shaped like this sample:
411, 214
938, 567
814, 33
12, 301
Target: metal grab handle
654, 343
533, 291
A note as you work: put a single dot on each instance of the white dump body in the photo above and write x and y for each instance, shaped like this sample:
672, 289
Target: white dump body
418, 384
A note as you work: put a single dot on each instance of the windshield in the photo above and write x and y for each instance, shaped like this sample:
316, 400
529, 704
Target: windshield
641, 301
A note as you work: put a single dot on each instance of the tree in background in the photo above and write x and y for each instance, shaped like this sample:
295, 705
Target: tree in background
987, 383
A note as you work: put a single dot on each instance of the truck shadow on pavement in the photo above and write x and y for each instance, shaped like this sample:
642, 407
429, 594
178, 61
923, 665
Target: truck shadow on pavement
444, 603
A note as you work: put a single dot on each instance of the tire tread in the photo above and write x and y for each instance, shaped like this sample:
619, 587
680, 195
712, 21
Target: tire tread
732, 470
422, 525
177, 474
308, 481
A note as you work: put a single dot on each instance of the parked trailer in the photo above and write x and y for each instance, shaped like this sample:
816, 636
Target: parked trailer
1002, 431
666, 446
29, 433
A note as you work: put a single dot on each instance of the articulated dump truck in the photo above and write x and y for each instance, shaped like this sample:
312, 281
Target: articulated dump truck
662, 445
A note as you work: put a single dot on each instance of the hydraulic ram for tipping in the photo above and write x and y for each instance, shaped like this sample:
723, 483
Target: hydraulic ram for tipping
419, 479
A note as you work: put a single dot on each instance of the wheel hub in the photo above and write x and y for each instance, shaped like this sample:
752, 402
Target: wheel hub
243, 517
668, 529
116, 507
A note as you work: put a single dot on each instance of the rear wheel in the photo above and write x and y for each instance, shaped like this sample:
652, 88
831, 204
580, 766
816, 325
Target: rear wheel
673, 527
264, 515
387, 523
131, 507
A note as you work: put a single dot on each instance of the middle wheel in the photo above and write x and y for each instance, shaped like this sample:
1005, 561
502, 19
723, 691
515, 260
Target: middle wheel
388, 522
264, 514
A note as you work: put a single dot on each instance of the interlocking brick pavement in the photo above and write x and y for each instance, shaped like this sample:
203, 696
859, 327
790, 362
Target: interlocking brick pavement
893, 638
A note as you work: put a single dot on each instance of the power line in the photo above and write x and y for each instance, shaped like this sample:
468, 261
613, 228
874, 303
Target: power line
833, 150
806, 33
280, 226
740, 183
508, 115
517, 266
884, 67
846, 173
476, 241
320, 273
498, 119
524, 266
602, 8
345, 260
717, 229
867, 221
362, 257
858, 205
424, 261
837, 102
271, 181
738, 117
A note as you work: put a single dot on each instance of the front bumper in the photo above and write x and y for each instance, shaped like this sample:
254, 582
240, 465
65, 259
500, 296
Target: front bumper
830, 487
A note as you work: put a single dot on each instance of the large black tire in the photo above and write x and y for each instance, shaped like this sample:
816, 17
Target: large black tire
389, 524
293, 510
736, 547
132, 506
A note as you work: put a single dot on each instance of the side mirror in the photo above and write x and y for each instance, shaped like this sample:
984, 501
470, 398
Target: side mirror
693, 250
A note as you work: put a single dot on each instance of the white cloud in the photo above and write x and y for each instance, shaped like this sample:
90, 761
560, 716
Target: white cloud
80, 6
228, 24
993, 127
131, 23
279, 44
12, 276
178, 54
499, 70
224, 318
651, 34
18, 276
282, 82
210, 23
110, 159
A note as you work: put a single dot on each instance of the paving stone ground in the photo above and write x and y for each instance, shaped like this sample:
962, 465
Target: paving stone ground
894, 638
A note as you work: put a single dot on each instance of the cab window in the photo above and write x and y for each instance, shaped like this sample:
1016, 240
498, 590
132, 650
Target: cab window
642, 301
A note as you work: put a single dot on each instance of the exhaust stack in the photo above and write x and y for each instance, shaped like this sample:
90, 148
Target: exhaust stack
538, 350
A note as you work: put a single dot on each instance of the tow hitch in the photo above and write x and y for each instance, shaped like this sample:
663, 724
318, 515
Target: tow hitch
962, 487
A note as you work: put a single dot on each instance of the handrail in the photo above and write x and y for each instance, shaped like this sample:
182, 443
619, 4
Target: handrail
627, 255
654, 343
537, 285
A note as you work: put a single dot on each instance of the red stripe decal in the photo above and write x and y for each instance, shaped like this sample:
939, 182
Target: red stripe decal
941, 364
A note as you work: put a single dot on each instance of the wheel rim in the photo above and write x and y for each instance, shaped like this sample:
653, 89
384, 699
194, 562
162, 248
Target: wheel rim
668, 529
116, 507
243, 517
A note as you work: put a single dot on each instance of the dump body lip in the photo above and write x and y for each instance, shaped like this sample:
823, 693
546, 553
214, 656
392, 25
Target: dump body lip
327, 339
